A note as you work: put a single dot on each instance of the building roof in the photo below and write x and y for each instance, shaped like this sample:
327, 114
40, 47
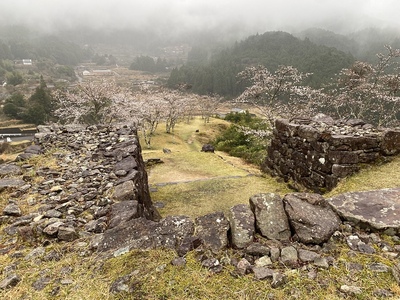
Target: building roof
27, 62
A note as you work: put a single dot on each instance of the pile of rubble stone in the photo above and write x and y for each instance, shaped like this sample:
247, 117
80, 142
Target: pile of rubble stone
95, 169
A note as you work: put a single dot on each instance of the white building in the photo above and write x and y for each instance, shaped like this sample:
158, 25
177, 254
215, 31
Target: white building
27, 62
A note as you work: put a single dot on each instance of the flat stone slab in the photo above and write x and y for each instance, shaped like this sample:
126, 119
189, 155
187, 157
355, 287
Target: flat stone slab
379, 209
11, 182
8, 169
141, 233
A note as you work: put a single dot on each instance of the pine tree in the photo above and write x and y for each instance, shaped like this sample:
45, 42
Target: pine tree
40, 105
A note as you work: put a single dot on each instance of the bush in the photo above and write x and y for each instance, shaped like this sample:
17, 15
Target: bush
240, 139
4, 147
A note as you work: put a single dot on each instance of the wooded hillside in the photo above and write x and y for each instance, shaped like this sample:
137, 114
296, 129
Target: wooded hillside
271, 49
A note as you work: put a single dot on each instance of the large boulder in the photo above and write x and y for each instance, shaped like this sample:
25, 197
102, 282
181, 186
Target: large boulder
12, 209
271, 219
207, 148
308, 133
137, 233
311, 217
391, 142
289, 256
173, 230
67, 234
212, 229
241, 220
126, 164
125, 148
34, 149
378, 210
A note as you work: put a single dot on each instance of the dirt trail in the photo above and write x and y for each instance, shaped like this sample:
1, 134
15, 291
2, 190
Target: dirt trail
229, 160
200, 179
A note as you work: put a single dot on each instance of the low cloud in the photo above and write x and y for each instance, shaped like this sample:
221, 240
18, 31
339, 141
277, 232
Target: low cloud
183, 15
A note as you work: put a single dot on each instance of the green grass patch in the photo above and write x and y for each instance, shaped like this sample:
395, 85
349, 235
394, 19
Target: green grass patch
206, 196
184, 166
185, 137
246, 137
193, 183
371, 177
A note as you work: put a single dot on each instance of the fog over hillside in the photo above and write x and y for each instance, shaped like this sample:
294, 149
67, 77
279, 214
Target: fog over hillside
175, 17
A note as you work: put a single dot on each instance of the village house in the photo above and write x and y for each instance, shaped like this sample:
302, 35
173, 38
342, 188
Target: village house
27, 62
98, 73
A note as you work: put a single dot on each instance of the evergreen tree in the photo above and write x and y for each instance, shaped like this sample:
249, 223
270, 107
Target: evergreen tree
14, 78
148, 64
15, 106
40, 105
197, 56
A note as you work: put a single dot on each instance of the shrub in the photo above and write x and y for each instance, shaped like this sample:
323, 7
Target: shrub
4, 147
246, 137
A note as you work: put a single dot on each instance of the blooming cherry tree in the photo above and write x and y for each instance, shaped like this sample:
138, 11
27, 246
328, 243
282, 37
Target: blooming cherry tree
149, 111
370, 92
90, 102
208, 106
279, 94
363, 91
175, 107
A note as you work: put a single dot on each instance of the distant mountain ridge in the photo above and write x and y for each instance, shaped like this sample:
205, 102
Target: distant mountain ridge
363, 44
271, 49
54, 48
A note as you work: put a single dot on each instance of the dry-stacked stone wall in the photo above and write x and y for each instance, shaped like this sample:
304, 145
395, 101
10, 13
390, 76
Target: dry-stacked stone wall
99, 159
316, 153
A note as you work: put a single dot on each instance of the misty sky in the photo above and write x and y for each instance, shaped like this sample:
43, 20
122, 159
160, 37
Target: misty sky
181, 15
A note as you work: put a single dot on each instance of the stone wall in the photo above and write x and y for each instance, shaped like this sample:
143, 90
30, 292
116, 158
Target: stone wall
109, 157
316, 153
94, 179
97, 193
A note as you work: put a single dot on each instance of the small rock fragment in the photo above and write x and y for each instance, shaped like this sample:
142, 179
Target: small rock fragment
10, 281
350, 290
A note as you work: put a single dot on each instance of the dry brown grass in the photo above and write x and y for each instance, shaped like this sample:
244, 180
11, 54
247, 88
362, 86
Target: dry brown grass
10, 151
153, 276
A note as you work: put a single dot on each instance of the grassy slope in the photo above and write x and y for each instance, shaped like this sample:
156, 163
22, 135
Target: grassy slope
193, 183
78, 276
371, 178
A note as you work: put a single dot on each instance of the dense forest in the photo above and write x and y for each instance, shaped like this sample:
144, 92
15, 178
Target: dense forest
217, 74
149, 64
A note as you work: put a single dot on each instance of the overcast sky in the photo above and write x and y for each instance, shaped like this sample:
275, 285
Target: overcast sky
180, 15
